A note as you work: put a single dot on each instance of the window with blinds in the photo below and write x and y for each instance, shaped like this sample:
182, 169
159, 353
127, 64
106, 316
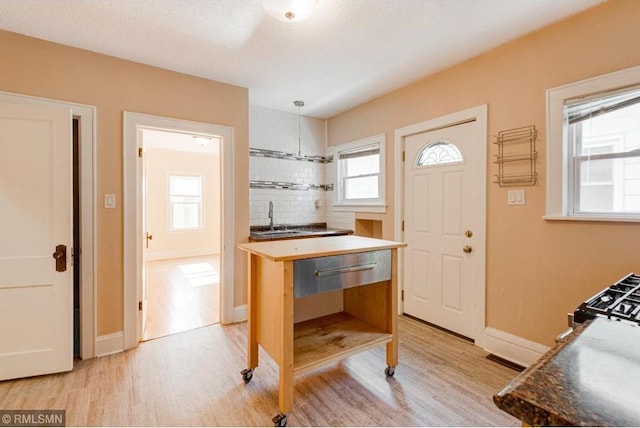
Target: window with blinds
360, 174
603, 143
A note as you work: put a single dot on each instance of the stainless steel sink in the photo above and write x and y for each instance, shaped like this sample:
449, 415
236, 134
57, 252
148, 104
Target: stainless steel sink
279, 232
283, 232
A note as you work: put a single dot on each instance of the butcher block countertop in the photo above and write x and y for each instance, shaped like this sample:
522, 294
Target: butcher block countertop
590, 379
278, 251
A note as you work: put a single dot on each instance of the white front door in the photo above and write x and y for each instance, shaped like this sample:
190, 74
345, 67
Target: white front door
444, 226
36, 299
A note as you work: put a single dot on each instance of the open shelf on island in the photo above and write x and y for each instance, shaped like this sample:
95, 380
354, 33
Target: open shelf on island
331, 338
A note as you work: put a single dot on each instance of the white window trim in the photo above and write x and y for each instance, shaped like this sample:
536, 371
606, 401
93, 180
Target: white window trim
557, 152
372, 206
170, 227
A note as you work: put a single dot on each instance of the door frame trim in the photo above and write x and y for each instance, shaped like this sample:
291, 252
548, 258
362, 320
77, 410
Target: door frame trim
478, 114
87, 149
132, 207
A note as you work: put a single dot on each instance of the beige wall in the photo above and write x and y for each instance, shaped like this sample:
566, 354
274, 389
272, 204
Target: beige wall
167, 243
537, 270
49, 70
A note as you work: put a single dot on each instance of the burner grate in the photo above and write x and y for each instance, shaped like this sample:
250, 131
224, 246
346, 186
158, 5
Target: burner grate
619, 301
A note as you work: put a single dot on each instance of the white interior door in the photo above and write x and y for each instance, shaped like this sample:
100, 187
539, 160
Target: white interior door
36, 300
444, 189
147, 238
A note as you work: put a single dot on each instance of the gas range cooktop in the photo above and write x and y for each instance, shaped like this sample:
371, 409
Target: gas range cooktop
619, 301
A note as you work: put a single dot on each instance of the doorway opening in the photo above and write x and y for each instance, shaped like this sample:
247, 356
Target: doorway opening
135, 227
181, 210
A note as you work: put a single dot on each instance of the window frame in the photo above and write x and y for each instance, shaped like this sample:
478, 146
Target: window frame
170, 225
377, 205
432, 144
561, 172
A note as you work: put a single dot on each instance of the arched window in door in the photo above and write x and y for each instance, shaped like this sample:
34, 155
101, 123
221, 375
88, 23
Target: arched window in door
438, 153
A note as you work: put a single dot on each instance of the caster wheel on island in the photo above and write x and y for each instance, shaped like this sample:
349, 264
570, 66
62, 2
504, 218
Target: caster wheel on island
247, 374
390, 371
280, 420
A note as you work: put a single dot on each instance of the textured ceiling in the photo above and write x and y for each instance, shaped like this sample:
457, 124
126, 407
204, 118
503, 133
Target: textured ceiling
348, 52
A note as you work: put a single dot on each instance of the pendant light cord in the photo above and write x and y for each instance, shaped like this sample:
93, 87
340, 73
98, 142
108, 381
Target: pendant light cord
299, 104
299, 139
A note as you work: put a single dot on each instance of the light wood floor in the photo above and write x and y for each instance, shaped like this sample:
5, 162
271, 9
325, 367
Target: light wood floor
193, 378
182, 294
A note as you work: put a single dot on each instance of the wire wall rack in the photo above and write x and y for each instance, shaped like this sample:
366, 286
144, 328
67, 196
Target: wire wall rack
516, 157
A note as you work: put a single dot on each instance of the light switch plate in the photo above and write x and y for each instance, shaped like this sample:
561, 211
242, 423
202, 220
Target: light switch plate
515, 197
109, 201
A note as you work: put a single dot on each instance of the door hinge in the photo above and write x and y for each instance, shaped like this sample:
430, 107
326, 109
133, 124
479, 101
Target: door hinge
139, 152
403, 154
403, 225
402, 295
140, 305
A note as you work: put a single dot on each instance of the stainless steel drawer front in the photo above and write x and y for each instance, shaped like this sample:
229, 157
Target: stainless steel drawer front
322, 274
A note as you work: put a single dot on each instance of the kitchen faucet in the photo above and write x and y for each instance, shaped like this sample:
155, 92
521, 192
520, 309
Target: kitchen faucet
271, 215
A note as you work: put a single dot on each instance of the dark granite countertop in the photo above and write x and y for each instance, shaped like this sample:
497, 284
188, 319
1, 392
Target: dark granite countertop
590, 379
288, 231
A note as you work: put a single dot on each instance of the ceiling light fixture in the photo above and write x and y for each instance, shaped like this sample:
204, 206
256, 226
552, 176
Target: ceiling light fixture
299, 104
289, 10
201, 141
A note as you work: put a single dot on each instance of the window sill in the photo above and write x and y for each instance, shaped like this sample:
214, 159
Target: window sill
366, 208
592, 218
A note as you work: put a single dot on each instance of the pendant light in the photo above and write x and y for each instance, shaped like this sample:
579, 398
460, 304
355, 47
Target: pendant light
289, 10
299, 104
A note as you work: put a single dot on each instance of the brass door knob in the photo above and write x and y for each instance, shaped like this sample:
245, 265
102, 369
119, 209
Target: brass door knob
467, 249
58, 255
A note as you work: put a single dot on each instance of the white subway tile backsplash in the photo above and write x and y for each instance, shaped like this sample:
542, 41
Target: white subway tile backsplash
275, 130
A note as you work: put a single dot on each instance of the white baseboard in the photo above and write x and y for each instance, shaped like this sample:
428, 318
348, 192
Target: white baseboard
110, 344
512, 348
240, 313
178, 254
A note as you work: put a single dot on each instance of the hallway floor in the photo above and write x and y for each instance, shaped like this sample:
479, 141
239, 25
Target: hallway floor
182, 294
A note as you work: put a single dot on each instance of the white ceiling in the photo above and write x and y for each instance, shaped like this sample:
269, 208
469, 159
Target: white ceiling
348, 52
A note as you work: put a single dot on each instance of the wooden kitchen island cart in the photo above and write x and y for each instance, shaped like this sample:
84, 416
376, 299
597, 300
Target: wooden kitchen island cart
363, 269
